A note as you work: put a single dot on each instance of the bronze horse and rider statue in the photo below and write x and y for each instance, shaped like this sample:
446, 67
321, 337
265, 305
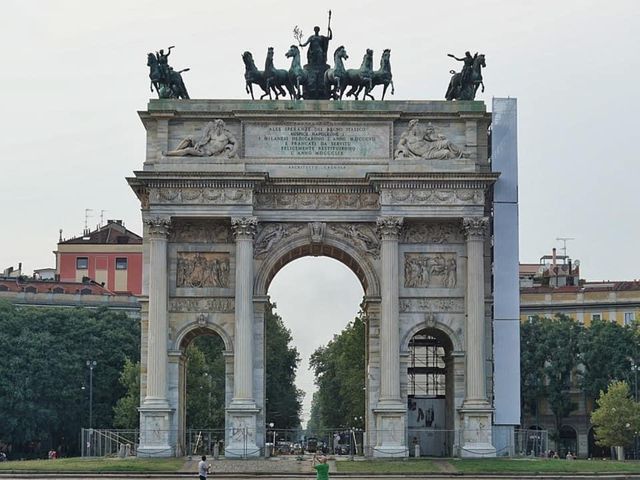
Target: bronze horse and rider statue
464, 84
165, 80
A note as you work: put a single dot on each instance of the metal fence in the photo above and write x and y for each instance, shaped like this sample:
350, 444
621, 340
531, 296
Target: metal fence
531, 443
351, 442
108, 442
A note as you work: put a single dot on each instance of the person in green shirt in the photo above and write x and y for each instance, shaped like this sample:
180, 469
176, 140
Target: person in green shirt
321, 466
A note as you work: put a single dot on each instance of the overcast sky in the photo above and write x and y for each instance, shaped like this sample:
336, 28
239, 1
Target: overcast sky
74, 75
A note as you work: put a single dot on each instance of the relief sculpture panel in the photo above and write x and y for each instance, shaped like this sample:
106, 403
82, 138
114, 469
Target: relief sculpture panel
430, 270
202, 270
272, 235
361, 236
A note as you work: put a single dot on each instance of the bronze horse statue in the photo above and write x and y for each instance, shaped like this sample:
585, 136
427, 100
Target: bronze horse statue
172, 87
382, 76
467, 91
336, 76
253, 75
362, 77
277, 78
297, 75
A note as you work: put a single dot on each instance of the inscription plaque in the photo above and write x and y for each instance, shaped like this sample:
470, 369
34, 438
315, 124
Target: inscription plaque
317, 140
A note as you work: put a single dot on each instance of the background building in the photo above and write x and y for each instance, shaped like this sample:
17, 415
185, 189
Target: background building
553, 286
111, 255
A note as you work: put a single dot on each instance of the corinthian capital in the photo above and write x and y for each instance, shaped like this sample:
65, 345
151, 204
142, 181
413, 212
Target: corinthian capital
244, 227
475, 227
158, 227
389, 227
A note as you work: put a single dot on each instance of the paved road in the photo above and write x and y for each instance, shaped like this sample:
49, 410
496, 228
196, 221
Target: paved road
242, 476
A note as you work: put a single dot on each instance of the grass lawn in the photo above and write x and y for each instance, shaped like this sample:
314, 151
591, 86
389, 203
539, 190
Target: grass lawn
531, 465
78, 464
491, 465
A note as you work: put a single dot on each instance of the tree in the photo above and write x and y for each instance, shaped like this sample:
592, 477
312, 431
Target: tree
206, 378
125, 413
549, 349
339, 369
284, 400
205, 383
44, 350
607, 351
617, 417
532, 361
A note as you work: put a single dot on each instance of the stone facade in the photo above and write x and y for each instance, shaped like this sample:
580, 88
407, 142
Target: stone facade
317, 178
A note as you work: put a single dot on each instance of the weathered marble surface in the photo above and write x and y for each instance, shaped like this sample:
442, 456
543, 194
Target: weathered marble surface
396, 221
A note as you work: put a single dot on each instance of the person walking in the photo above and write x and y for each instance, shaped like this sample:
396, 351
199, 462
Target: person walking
321, 467
203, 468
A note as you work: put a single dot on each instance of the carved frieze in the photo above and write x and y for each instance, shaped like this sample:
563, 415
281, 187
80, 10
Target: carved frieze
431, 232
433, 197
362, 236
202, 270
425, 142
317, 201
200, 195
200, 231
272, 235
430, 270
411, 305
216, 304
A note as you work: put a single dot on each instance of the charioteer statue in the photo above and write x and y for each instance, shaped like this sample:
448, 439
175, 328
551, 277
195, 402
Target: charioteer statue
318, 46
464, 85
164, 79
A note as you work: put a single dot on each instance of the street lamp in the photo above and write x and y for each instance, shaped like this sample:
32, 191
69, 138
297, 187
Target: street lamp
634, 368
91, 364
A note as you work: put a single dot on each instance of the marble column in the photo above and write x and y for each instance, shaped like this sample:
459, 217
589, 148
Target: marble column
475, 232
155, 411
390, 412
157, 232
389, 230
242, 410
476, 409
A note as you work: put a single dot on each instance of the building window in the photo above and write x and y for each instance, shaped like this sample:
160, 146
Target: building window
58, 290
31, 290
121, 263
596, 317
85, 291
82, 263
629, 318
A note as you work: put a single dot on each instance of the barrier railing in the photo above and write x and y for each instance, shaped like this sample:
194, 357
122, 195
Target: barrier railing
244, 442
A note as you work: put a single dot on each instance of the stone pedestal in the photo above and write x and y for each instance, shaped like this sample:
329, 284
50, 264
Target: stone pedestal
155, 421
241, 437
476, 409
391, 410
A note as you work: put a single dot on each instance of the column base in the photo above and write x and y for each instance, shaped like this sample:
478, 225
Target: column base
156, 439
390, 419
241, 437
476, 436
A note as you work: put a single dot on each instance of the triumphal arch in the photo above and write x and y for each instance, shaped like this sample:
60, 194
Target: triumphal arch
399, 191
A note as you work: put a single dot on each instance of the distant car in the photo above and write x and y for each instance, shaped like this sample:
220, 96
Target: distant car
312, 445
